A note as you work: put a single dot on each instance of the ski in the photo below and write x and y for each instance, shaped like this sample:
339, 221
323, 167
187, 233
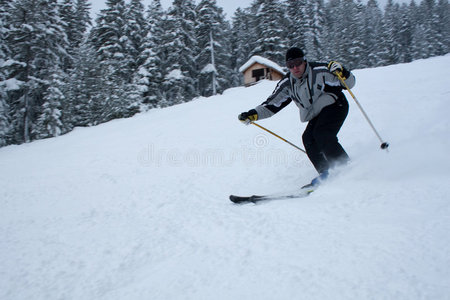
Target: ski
258, 198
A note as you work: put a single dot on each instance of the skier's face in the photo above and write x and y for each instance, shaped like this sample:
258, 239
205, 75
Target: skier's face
298, 69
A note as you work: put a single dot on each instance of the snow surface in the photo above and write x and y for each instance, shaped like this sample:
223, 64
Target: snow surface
138, 208
263, 61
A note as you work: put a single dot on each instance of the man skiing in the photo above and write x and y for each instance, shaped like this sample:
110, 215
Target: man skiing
317, 91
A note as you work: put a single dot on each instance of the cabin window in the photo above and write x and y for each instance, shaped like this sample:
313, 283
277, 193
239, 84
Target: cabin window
258, 74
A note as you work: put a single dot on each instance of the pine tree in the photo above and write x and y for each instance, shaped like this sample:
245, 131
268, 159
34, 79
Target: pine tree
180, 47
38, 43
443, 16
272, 34
295, 11
76, 17
254, 29
5, 121
50, 121
149, 76
136, 31
388, 40
109, 39
427, 14
214, 57
241, 43
405, 35
83, 20
333, 28
372, 28
86, 99
346, 32
76, 20
438, 28
357, 47
314, 27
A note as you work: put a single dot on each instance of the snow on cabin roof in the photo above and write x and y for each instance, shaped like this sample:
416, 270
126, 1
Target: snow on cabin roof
263, 61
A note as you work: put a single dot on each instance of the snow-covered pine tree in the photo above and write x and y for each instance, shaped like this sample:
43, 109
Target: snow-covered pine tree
436, 19
372, 24
76, 17
38, 44
384, 42
214, 58
357, 47
86, 100
180, 48
390, 29
136, 31
413, 13
443, 19
241, 41
405, 34
110, 40
83, 20
254, 29
332, 34
272, 34
314, 24
149, 78
296, 11
49, 123
345, 32
5, 121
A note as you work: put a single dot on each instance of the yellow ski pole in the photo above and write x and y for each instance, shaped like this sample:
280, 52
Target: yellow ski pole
384, 145
272, 133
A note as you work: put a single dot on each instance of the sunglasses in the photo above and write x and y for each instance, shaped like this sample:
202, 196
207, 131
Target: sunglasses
294, 62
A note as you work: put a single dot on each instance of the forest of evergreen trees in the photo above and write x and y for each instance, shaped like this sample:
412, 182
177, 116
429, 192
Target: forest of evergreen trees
59, 69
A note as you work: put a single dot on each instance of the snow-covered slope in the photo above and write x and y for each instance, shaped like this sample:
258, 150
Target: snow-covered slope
138, 208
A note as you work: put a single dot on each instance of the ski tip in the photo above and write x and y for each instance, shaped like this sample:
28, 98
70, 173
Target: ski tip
236, 199
242, 200
233, 198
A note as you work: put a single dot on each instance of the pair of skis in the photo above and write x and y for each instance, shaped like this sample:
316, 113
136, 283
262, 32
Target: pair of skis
303, 192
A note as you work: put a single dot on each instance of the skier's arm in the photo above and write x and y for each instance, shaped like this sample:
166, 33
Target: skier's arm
277, 101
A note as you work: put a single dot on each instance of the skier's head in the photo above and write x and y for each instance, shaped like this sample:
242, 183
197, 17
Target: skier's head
295, 61
294, 53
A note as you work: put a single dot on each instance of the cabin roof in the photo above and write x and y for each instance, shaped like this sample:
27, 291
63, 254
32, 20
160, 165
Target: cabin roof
263, 61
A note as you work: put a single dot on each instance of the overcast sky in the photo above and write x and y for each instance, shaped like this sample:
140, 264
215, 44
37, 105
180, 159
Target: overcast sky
229, 6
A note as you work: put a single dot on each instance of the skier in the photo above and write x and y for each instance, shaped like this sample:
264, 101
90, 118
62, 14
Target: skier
317, 91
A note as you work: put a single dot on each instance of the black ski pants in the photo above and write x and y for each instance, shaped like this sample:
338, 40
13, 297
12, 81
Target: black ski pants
320, 136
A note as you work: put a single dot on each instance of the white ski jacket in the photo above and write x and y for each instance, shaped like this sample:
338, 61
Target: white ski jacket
317, 89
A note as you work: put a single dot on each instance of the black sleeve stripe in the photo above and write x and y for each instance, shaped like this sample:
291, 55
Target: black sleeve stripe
281, 84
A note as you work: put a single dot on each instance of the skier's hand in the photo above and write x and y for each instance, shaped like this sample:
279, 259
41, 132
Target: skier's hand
248, 117
336, 68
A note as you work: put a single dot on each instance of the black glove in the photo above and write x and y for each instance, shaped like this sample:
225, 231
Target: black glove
337, 68
248, 117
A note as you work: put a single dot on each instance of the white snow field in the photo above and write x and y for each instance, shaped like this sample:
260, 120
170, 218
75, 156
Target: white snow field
138, 208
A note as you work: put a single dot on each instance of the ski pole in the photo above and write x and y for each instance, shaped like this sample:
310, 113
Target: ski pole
384, 145
284, 140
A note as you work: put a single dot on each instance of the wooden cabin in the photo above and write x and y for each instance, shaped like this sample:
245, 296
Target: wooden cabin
258, 68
